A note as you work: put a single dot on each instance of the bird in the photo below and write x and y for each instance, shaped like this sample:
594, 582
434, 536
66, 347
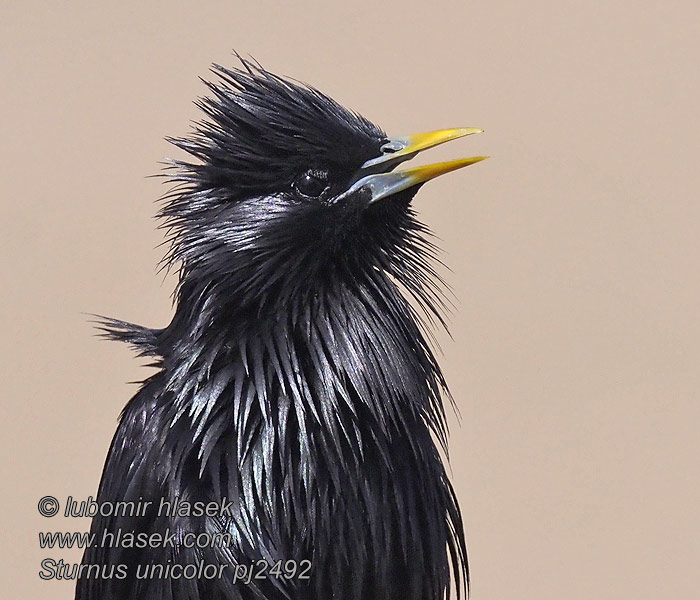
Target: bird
297, 408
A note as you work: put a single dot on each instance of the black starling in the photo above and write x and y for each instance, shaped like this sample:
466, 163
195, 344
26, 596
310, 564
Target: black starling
296, 388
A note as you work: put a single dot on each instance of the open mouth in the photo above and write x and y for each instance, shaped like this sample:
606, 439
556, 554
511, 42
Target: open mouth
377, 174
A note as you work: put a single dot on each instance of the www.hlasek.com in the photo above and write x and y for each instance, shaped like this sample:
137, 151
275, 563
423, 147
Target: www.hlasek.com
244, 573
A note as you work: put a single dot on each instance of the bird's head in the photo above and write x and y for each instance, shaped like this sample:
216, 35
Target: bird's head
291, 192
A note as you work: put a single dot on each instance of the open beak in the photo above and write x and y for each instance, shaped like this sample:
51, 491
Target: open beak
376, 174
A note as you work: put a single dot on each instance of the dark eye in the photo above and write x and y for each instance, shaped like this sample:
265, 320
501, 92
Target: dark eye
312, 183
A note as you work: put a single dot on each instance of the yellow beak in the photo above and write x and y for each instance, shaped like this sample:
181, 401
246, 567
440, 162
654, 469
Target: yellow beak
403, 148
376, 175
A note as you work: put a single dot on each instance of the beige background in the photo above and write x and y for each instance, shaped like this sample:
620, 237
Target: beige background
575, 251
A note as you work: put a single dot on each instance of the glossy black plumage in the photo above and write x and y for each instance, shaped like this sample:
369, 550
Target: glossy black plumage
295, 378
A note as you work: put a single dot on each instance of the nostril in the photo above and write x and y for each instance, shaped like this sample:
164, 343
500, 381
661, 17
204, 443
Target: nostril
391, 146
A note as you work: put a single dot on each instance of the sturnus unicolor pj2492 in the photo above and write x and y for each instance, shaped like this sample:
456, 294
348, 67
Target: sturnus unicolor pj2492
296, 387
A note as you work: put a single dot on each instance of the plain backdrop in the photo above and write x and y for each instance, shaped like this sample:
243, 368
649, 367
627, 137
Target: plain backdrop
574, 250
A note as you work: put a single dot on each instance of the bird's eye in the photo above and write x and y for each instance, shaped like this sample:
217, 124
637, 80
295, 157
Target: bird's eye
312, 183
